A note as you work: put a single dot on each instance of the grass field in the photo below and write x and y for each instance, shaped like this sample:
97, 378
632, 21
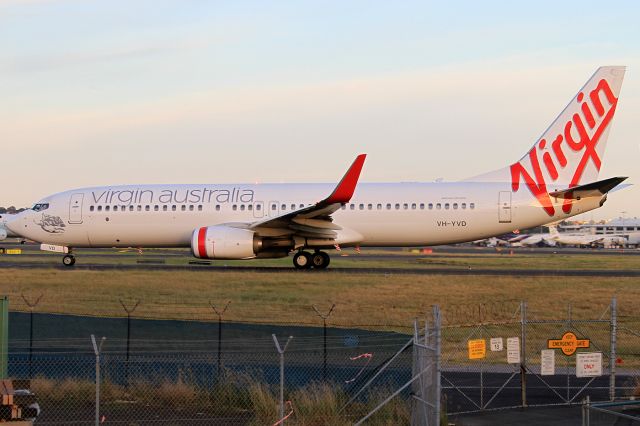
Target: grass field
287, 297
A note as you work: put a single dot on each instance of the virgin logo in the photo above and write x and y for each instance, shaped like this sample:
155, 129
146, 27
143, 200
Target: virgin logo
576, 138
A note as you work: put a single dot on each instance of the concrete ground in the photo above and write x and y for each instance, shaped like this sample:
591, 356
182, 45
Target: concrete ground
548, 416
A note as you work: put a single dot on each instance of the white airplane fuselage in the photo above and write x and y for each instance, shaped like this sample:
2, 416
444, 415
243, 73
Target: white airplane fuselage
384, 214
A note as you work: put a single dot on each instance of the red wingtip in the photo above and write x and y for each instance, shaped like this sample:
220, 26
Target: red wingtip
346, 187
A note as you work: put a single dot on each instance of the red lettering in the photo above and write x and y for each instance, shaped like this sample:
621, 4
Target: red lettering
576, 142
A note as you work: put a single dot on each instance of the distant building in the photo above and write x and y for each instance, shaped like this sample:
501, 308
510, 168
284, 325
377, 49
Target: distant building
614, 226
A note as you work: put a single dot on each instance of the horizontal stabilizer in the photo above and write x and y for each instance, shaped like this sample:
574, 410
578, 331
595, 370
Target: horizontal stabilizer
593, 189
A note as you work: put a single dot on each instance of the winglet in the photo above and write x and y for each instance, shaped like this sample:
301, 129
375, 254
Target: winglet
590, 189
346, 187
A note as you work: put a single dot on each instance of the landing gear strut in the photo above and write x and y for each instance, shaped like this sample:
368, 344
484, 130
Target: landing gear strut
68, 260
305, 260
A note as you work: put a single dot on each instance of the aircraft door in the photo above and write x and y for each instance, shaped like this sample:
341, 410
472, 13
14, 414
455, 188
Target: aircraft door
273, 209
504, 207
75, 208
258, 209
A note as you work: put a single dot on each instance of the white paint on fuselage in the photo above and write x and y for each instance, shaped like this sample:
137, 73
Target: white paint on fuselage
412, 226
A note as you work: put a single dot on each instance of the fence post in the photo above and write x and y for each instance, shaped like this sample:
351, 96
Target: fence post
4, 336
613, 356
324, 328
97, 349
219, 314
523, 352
437, 327
129, 311
281, 352
31, 306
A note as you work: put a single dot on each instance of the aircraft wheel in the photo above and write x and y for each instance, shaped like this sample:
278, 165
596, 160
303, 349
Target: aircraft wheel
68, 260
320, 260
302, 260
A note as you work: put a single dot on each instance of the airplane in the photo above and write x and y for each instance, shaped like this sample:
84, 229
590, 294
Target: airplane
4, 232
577, 239
537, 240
557, 178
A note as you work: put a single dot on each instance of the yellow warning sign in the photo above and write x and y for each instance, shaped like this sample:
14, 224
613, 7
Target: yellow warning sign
477, 349
568, 344
13, 251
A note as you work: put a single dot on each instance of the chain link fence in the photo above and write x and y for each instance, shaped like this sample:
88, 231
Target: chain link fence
493, 357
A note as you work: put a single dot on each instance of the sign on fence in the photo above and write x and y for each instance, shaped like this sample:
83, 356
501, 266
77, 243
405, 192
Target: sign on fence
547, 362
568, 344
477, 349
589, 364
513, 350
496, 344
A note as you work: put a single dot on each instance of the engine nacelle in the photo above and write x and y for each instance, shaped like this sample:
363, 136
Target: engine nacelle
224, 242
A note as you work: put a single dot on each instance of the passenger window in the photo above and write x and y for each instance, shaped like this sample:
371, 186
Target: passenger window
301, 206
91, 208
273, 207
190, 207
438, 206
131, 208
183, 208
464, 206
446, 206
250, 207
173, 207
106, 208
115, 208
258, 207
218, 207
99, 208
455, 206
388, 206
361, 206
397, 206
123, 208
293, 206
234, 208
164, 208
421, 206
147, 208
139, 208
344, 207
379, 206
199, 207
430, 206
283, 207
405, 206
472, 206
352, 206
369, 206
241, 207
413, 206
156, 208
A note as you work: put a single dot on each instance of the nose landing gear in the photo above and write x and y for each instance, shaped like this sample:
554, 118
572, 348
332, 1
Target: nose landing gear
68, 260
305, 260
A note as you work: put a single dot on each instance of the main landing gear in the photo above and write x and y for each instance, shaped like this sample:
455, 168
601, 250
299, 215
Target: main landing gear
68, 260
316, 260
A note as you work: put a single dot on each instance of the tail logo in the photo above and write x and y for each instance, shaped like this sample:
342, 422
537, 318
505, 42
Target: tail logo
577, 138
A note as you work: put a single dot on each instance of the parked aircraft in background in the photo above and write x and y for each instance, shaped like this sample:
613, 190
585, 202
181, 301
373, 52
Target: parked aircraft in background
4, 232
556, 179
583, 240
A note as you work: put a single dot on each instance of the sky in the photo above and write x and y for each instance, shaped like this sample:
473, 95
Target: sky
193, 91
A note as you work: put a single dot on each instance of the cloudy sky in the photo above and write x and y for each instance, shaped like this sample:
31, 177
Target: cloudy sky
108, 92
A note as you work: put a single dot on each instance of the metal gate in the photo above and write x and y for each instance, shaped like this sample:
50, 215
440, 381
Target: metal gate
75, 208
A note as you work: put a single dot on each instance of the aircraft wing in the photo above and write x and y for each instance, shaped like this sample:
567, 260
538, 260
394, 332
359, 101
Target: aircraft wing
315, 221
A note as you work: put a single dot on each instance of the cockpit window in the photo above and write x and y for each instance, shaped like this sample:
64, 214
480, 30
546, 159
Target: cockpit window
40, 206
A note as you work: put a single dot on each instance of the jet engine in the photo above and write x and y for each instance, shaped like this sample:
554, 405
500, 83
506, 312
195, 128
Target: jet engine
224, 242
